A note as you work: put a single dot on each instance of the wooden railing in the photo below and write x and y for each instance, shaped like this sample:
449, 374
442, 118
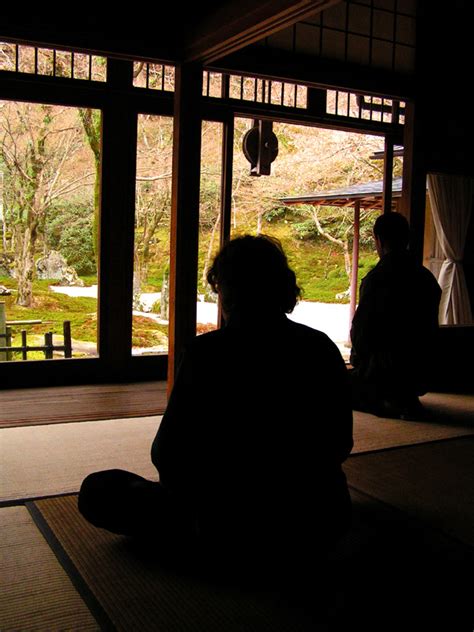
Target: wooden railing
7, 350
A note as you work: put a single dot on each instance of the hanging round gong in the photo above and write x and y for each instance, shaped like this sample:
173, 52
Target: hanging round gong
251, 145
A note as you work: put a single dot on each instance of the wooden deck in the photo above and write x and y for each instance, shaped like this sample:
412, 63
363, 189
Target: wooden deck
62, 404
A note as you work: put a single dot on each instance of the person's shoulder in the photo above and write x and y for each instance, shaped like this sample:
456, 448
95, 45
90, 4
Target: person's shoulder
373, 276
207, 341
427, 274
313, 349
429, 281
421, 273
309, 334
203, 350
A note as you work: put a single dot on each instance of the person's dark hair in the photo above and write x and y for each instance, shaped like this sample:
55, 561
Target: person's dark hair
253, 272
393, 230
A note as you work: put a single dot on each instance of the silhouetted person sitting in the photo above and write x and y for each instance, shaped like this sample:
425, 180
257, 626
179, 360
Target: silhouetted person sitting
394, 328
250, 447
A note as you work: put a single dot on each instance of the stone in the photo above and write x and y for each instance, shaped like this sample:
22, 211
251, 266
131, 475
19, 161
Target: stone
54, 266
6, 265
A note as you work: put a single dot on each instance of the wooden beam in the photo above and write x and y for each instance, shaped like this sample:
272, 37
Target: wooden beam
214, 111
413, 199
108, 37
117, 215
313, 71
226, 191
226, 179
387, 175
184, 213
355, 265
239, 23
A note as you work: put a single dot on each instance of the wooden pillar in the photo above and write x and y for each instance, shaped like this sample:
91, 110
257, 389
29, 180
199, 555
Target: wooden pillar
355, 264
387, 175
226, 190
3, 331
117, 217
226, 180
184, 212
413, 199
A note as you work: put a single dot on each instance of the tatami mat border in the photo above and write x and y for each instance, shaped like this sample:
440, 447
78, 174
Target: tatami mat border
79, 584
403, 446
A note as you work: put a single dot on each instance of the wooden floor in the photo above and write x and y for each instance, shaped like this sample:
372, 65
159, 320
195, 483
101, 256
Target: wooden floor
62, 404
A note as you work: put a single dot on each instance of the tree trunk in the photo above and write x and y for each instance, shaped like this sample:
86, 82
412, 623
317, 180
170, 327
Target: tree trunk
342, 243
164, 299
209, 251
25, 266
4, 233
259, 222
138, 278
92, 123
347, 258
96, 218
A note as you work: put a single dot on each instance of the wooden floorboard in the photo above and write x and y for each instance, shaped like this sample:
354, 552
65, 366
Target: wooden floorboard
60, 404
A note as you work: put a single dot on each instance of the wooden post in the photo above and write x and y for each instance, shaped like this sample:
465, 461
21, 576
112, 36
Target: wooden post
8, 341
3, 332
226, 190
355, 265
184, 213
387, 175
413, 199
48, 345
317, 101
117, 216
226, 179
67, 339
24, 344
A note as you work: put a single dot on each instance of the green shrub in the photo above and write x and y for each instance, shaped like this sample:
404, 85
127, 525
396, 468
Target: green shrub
156, 307
69, 230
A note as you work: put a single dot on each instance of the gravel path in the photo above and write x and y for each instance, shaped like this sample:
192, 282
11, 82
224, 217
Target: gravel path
331, 318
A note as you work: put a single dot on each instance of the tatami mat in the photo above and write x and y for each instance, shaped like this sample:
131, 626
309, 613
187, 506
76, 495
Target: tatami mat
138, 592
447, 415
396, 573
432, 482
413, 504
54, 459
36, 593
381, 530
373, 433
449, 407
388, 568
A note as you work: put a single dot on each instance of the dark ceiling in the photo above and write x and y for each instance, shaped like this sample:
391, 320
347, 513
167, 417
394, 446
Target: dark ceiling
161, 29
208, 30
167, 31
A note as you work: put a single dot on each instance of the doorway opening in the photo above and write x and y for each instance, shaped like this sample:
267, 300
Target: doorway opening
294, 205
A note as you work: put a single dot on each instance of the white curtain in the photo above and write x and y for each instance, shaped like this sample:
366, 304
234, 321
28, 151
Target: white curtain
452, 200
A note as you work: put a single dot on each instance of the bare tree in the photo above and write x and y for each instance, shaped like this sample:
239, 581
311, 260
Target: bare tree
151, 210
36, 146
92, 123
152, 194
341, 241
